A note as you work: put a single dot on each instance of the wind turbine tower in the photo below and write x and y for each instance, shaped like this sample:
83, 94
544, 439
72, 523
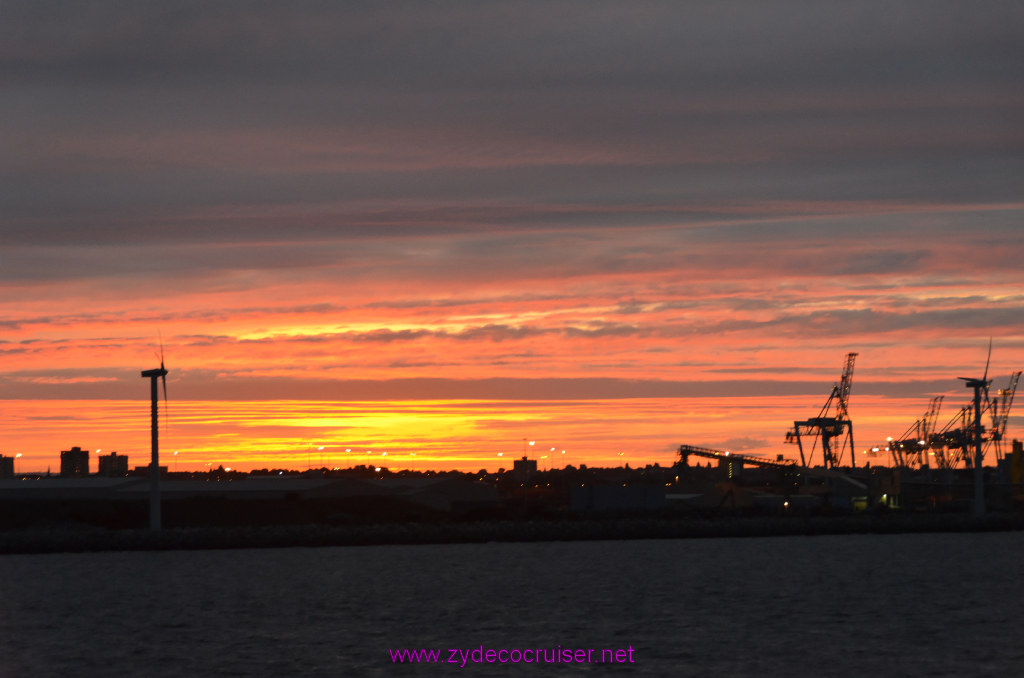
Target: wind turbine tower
154, 464
979, 385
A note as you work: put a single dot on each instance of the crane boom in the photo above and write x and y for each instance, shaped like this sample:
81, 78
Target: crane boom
829, 428
1001, 413
931, 416
844, 387
1006, 396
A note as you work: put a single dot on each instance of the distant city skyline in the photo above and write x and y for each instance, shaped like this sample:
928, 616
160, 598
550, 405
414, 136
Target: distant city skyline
434, 231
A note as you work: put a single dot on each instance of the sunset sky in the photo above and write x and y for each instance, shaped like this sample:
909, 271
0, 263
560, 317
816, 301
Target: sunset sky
438, 229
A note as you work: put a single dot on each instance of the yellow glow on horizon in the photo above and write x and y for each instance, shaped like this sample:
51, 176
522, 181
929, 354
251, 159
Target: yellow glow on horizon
444, 434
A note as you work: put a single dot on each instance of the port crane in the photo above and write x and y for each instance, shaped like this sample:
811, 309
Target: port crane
952, 445
1001, 413
831, 426
785, 465
686, 451
912, 448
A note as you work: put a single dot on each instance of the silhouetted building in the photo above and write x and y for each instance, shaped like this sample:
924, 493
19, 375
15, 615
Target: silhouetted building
74, 463
523, 468
143, 471
113, 465
6, 467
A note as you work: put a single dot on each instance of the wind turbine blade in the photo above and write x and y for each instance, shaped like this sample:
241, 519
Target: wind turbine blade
167, 416
988, 359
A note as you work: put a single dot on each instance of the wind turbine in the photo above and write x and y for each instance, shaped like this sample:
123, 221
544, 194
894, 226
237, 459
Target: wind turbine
154, 464
979, 385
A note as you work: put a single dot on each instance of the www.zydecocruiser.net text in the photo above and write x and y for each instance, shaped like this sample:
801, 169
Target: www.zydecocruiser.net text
480, 655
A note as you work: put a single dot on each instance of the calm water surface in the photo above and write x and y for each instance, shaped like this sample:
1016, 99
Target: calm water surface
855, 605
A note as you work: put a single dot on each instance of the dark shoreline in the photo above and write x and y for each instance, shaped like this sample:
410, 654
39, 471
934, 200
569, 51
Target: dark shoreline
77, 540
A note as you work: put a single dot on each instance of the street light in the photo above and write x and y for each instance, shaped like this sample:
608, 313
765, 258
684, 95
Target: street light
16, 458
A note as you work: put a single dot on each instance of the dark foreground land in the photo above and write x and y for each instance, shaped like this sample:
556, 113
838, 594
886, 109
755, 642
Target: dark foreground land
82, 539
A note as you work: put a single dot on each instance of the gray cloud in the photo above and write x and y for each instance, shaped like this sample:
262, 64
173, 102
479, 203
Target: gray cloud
868, 322
707, 148
210, 385
200, 385
128, 119
744, 443
461, 44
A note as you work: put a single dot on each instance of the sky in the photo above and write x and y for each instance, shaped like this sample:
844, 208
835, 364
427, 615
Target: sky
441, 231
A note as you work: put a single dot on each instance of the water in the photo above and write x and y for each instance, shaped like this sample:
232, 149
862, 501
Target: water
853, 605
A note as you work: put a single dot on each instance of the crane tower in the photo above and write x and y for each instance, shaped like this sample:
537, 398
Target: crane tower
832, 426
